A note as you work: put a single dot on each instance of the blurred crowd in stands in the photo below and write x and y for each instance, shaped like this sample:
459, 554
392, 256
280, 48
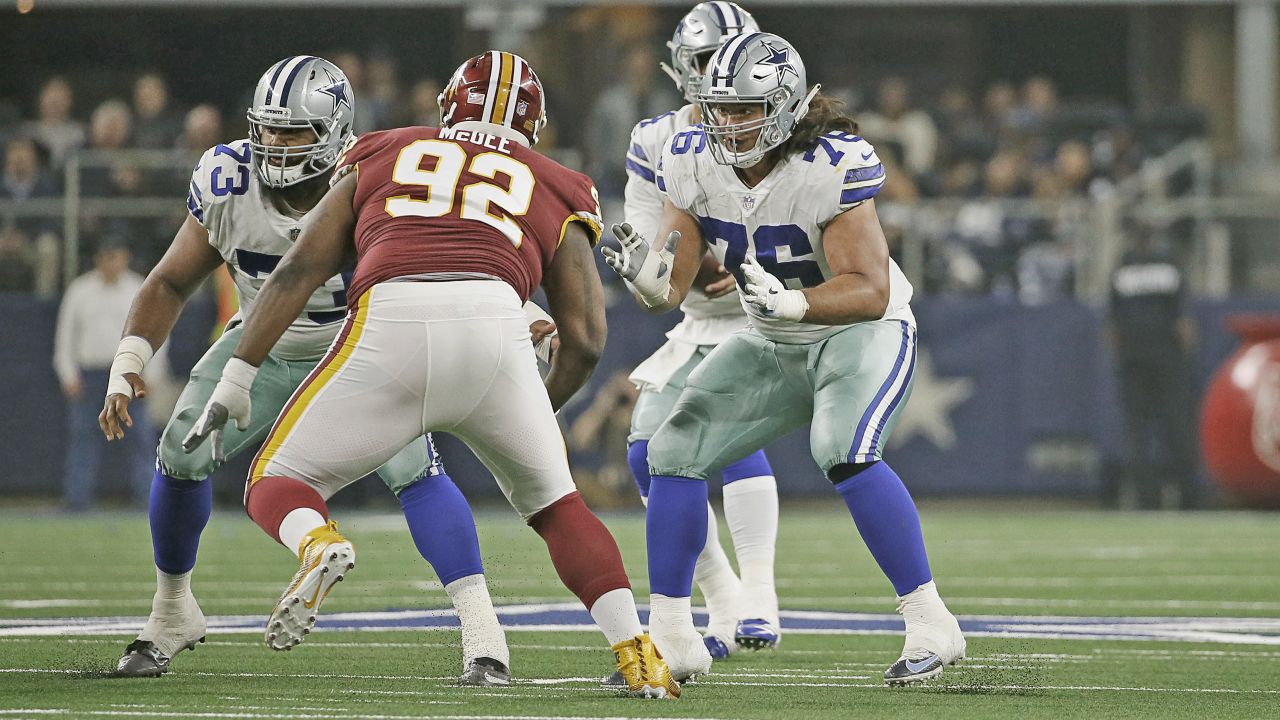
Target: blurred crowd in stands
991, 182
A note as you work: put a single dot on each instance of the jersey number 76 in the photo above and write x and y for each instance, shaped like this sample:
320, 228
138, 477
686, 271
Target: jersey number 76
479, 199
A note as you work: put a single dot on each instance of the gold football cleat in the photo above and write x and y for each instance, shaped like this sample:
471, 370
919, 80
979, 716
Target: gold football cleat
325, 558
645, 672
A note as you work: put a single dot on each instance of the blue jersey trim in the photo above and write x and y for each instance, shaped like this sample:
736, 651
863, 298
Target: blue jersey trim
641, 170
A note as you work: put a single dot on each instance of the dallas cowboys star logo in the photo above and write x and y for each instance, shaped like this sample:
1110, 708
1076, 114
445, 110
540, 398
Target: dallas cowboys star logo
934, 399
780, 61
337, 91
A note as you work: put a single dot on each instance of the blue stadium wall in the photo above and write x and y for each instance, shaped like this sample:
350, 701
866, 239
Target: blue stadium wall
1009, 400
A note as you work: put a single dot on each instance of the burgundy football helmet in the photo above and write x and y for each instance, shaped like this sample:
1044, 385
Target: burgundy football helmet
495, 87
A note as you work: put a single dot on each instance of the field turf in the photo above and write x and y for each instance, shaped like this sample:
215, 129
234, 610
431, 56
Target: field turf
1181, 623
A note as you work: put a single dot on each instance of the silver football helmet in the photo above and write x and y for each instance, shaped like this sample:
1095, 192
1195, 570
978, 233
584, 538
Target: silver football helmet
701, 31
301, 92
753, 69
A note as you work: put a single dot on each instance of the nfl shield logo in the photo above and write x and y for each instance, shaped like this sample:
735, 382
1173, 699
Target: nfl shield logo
748, 202
293, 233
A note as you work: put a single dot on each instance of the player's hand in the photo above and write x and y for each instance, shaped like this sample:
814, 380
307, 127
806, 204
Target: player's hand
229, 401
720, 287
114, 417
713, 279
767, 292
546, 339
647, 270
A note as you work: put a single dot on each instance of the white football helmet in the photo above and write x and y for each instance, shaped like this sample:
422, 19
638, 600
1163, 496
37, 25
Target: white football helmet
760, 69
701, 31
301, 91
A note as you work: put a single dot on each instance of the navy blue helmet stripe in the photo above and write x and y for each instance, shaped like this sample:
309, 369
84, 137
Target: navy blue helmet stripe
284, 94
729, 55
737, 15
724, 21
279, 69
742, 46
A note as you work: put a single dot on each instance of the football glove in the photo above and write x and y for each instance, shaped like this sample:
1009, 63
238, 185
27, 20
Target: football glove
229, 401
646, 270
767, 292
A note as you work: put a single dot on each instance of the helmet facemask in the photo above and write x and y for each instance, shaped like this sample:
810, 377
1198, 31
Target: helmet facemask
284, 165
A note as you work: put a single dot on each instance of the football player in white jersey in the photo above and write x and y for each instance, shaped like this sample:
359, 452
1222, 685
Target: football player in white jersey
246, 202
777, 182
743, 611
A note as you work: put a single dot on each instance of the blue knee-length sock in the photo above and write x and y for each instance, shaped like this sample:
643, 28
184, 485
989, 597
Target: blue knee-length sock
676, 525
754, 465
178, 510
889, 524
638, 459
442, 527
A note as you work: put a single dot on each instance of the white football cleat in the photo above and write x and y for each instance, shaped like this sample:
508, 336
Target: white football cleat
933, 641
173, 626
680, 644
325, 559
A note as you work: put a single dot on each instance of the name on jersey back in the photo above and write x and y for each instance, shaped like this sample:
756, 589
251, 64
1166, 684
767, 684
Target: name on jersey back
493, 142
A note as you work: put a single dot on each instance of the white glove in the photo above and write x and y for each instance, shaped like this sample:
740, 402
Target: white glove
646, 270
769, 294
229, 401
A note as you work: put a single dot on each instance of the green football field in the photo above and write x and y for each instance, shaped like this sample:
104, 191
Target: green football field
1068, 614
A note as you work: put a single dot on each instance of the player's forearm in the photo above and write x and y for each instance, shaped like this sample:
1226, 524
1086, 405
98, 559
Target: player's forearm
279, 302
846, 299
582, 339
570, 370
155, 311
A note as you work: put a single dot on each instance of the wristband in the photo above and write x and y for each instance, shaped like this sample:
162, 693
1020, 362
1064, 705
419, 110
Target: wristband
132, 355
239, 373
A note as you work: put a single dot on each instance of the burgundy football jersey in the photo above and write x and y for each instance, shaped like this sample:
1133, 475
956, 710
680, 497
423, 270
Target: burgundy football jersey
432, 201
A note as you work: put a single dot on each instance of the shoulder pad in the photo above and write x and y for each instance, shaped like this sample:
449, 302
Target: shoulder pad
849, 161
224, 171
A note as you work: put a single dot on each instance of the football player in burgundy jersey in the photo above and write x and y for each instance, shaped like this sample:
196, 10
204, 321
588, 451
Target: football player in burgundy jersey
451, 229
246, 201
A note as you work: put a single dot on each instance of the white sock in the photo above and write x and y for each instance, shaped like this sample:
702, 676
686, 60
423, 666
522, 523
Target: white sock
715, 578
175, 617
615, 614
171, 587
926, 598
482, 634
675, 613
296, 525
751, 512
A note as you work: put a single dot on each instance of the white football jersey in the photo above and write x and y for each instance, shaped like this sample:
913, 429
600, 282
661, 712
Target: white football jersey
780, 221
708, 321
227, 198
